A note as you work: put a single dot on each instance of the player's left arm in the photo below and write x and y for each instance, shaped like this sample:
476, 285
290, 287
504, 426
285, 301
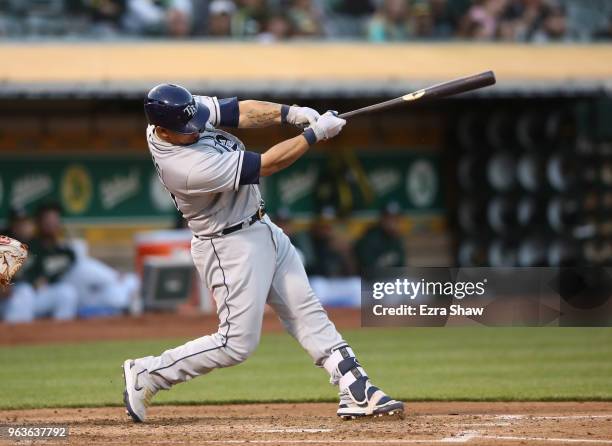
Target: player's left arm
230, 112
256, 114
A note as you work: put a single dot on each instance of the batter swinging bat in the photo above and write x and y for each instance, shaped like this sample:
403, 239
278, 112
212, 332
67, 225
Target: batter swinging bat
438, 91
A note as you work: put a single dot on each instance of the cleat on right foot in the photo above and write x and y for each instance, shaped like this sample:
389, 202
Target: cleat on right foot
137, 395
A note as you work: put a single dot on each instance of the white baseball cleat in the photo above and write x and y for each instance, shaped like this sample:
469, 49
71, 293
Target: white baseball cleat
136, 396
376, 404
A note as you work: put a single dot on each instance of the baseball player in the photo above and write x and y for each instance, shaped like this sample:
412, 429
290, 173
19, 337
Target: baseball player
241, 255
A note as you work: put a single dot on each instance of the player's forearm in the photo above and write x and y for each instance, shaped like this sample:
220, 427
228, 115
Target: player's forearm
256, 114
282, 155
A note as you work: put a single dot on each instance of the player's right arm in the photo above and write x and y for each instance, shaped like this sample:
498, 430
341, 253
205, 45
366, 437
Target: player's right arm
284, 154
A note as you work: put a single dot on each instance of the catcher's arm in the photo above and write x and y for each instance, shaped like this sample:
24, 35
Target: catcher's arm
13, 255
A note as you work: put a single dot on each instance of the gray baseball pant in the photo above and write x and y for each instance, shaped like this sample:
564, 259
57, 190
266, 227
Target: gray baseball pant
245, 270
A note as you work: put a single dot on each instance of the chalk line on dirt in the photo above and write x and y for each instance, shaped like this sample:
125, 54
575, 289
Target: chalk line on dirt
550, 417
292, 430
558, 440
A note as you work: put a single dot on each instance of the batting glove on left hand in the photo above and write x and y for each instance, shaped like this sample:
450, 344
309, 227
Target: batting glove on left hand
302, 116
328, 125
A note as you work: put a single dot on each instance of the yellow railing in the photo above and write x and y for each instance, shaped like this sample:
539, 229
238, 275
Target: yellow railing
331, 62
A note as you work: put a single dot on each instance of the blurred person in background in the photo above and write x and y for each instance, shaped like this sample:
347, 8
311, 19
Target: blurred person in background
50, 258
382, 245
482, 20
276, 27
391, 22
306, 18
421, 20
532, 20
250, 19
444, 18
299, 239
604, 33
356, 8
347, 18
333, 271
220, 14
178, 18
64, 282
333, 256
106, 16
158, 17
16, 302
19, 225
17, 299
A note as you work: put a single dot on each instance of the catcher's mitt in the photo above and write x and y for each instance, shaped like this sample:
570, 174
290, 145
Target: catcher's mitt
13, 255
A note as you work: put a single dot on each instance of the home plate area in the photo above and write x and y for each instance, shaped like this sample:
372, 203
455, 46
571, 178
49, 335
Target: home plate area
472, 423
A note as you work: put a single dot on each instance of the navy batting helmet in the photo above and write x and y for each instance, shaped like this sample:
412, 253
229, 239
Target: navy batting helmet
174, 108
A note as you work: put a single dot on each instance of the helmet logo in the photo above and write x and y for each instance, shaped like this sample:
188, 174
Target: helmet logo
190, 110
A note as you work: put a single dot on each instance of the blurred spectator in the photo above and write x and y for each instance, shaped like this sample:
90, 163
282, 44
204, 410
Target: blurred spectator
299, 239
250, 19
605, 33
61, 281
382, 246
272, 20
19, 225
17, 302
390, 23
532, 20
355, 8
157, 17
49, 260
220, 14
106, 15
421, 19
444, 18
19, 295
347, 18
275, 27
482, 19
333, 255
306, 18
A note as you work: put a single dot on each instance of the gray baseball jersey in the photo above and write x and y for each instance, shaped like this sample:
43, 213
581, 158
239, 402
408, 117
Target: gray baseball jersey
213, 182
209, 180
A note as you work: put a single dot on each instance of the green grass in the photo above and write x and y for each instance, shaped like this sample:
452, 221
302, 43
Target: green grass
412, 364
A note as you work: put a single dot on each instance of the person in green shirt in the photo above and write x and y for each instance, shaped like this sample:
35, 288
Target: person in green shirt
382, 246
48, 262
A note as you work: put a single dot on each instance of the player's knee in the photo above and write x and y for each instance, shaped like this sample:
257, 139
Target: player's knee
240, 348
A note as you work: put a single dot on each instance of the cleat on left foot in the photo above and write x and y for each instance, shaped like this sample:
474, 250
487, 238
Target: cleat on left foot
376, 404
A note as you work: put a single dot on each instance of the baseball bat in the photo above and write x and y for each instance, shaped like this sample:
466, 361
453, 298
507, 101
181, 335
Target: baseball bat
445, 89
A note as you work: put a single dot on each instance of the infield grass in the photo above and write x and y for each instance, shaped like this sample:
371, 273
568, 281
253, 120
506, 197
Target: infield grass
412, 364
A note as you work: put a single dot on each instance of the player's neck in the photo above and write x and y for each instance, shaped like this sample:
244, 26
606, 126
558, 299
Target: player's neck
177, 139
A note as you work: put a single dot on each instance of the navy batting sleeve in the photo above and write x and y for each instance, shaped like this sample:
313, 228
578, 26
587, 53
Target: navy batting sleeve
229, 111
251, 167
